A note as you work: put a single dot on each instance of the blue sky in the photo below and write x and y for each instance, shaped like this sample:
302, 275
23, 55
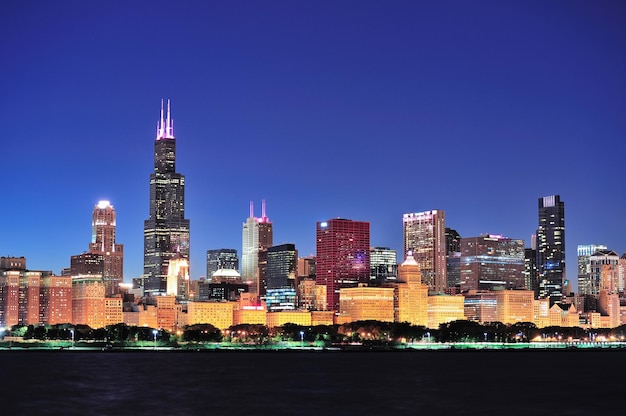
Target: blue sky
361, 110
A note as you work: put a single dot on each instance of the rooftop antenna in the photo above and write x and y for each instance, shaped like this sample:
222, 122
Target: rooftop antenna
169, 130
251, 209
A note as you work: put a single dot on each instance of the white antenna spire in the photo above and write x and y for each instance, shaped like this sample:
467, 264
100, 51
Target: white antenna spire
165, 126
263, 209
251, 209
168, 128
161, 131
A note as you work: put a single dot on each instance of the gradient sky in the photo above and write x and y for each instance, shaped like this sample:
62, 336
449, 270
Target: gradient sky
354, 109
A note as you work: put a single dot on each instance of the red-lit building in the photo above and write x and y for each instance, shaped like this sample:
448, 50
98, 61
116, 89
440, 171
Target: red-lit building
342, 256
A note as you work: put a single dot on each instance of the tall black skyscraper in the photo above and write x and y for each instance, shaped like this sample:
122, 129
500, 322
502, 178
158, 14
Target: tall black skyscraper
166, 232
551, 248
282, 266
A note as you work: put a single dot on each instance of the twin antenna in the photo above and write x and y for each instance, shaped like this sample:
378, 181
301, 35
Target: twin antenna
165, 126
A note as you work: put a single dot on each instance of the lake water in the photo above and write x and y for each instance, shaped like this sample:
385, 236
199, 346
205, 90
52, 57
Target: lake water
312, 383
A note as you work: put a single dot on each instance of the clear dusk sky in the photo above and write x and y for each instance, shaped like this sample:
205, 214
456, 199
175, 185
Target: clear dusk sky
356, 109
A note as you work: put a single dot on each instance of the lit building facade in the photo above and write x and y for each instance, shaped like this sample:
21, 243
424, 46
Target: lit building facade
218, 314
178, 278
342, 256
584, 252
425, 237
515, 306
167, 312
551, 248
603, 273
275, 319
410, 294
281, 299
445, 308
491, 262
19, 293
257, 237
306, 294
530, 270
103, 224
88, 301
480, 306
282, 266
56, 299
366, 303
113, 311
166, 231
383, 265
306, 266
222, 258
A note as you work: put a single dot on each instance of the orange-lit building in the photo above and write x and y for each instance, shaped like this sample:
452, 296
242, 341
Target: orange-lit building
88, 301
148, 316
322, 317
274, 319
306, 293
364, 303
411, 295
113, 311
55, 300
218, 314
562, 314
166, 312
515, 306
445, 308
609, 306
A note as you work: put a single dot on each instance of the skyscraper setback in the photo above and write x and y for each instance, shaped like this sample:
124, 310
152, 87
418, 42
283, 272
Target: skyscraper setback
166, 231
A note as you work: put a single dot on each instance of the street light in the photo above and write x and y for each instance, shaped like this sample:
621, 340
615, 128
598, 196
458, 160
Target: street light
485, 336
72, 332
155, 332
301, 339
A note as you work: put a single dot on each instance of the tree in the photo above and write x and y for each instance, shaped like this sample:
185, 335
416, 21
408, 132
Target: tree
202, 333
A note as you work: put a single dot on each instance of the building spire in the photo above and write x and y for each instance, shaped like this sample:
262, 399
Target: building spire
263, 209
165, 126
169, 128
251, 209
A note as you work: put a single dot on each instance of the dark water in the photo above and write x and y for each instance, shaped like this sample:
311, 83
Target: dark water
312, 383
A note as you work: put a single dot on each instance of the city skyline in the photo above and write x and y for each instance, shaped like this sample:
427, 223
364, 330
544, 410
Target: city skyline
322, 110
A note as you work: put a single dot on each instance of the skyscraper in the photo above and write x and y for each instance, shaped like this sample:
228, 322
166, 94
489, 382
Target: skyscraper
103, 225
551, 248
425, 237
584, 252
256, 237
342, 256
221, 258
383, 265
282, 266
491, 262
166, 232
